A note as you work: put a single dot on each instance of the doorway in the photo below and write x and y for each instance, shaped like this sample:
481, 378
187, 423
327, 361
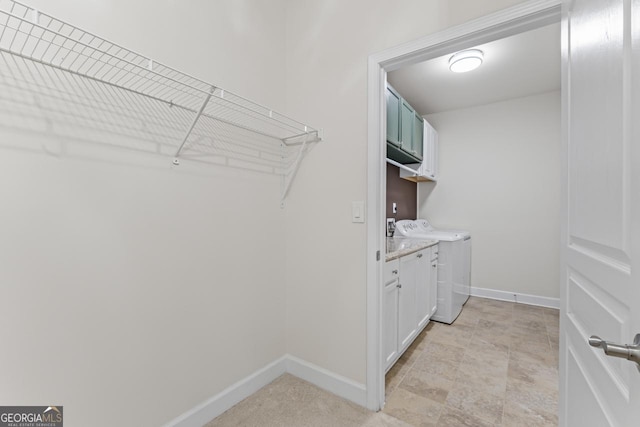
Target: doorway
515, 20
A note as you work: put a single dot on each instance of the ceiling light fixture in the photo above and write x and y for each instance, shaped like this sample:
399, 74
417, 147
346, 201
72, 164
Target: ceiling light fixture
466, 60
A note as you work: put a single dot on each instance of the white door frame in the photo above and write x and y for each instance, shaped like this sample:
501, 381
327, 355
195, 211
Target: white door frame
523, 17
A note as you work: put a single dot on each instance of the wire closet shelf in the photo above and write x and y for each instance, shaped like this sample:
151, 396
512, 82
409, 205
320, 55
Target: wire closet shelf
80, 80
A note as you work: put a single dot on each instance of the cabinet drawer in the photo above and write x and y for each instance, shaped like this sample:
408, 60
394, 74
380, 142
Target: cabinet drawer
391, 270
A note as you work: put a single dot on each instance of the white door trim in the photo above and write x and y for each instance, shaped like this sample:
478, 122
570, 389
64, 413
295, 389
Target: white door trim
523, 17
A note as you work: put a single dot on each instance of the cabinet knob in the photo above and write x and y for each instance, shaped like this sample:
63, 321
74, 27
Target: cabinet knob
419, 255
398, 286
394, 272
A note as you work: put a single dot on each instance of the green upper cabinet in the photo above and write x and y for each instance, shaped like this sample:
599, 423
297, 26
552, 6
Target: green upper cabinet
418, 131
404, 130
406, 127
393, 116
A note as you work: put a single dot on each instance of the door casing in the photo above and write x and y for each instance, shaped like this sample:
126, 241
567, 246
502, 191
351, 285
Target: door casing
517, 19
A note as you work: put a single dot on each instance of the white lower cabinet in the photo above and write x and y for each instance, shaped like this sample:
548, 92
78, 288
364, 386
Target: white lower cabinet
433, 282
390, 313
409, 300
423, 288
407, 303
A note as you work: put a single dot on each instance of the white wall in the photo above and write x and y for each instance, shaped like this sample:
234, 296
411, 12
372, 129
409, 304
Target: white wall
328, 44
126, 294
500, 178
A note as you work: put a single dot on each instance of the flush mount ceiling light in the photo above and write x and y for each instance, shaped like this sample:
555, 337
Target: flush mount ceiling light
465, 60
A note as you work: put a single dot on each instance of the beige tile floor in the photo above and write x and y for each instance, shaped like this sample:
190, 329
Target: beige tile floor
495, 366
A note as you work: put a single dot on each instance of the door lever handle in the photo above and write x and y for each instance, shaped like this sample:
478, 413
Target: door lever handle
625, 351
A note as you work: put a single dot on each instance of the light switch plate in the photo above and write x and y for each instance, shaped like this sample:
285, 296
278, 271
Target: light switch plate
357, 211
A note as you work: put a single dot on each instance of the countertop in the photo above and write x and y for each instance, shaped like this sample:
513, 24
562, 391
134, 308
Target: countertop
398, 246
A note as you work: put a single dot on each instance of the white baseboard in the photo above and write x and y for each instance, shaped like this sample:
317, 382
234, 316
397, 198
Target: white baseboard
327, 380
516, 297
320, 377
211, 408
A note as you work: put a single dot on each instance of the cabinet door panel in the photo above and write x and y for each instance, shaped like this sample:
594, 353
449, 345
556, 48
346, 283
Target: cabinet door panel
390, 323
407, 326
423, 288
430, 137
433, 283
418, 136
434, 154
393, 117
406, 126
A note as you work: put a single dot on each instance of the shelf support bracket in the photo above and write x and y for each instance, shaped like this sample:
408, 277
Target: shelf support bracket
294, 170
176, 161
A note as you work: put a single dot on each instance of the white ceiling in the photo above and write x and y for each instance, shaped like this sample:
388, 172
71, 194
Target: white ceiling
521, 65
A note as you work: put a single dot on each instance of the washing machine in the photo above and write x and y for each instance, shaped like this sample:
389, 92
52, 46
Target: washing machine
454, 265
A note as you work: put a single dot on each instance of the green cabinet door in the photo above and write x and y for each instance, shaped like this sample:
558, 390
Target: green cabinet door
402, 145
406, 127
418, 140
393, 116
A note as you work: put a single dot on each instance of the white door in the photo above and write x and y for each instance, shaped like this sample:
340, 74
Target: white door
601, 216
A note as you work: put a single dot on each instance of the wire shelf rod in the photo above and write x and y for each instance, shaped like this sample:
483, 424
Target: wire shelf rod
94, 78
125, 73
267, 112
60, 80
260, 116
80, 97
244, 127
84, 102
121, 48
85, 46
171, 104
